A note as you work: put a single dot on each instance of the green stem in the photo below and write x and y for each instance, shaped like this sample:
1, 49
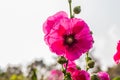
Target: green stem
87, 62
87, 54
65, 70
70, 7
66, 66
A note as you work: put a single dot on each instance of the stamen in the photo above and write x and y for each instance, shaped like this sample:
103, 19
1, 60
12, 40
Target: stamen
69, 40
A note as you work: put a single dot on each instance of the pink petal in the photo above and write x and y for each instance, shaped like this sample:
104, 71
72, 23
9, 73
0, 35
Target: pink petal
117, 57
52, 20
80, 75
77, 26
58, 47
61, 31
103, 75
71, 67
73, 53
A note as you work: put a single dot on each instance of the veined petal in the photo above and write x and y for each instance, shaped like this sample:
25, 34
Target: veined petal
58, 47
52, 21
73, 53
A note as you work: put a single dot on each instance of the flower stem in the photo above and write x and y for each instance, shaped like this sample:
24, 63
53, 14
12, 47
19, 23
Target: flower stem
66, 66
87, 62
65, 71
70, 7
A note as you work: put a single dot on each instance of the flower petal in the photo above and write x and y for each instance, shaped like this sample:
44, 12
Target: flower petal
77, 26
61, 31
103, 75
73, 53
52, 20
117, 57
80, 75
58, 47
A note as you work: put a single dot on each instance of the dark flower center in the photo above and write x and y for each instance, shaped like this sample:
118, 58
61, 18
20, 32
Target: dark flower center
69, 40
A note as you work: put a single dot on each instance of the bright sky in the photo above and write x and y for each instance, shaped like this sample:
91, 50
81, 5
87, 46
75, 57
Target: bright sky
21, 34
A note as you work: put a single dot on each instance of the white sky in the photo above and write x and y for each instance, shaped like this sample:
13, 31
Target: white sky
21, 34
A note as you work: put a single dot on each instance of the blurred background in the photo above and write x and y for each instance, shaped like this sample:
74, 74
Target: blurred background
22, 38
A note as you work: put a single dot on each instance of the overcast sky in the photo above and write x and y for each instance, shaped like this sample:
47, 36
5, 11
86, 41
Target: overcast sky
21, 34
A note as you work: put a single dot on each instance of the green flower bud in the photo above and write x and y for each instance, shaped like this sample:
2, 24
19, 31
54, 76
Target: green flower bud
91, 63
61, 60
95, 77
77, 9
67, 76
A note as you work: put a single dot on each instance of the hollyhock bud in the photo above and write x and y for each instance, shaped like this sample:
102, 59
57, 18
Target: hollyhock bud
91, 63
103, 76
95, 77
61, 60
77, 9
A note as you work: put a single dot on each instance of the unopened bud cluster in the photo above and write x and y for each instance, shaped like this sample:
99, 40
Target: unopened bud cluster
90, 62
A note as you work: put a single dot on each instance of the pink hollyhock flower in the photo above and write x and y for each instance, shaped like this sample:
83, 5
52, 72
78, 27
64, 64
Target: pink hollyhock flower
77, 74
71, 67
117, 55
69, 37
80, 75
103, 76
56, 75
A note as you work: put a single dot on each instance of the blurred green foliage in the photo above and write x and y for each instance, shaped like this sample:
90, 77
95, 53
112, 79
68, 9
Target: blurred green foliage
114, 72
17, 77
116, 78
38, 70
